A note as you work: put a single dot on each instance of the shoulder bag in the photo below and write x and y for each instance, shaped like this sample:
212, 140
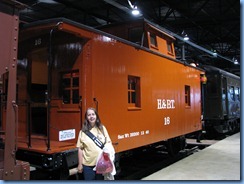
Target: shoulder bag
95, 139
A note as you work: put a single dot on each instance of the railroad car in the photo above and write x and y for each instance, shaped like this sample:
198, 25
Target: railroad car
143, 94
10, 167
221, 102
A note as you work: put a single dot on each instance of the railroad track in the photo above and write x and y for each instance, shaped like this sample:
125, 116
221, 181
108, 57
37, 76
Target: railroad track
143, 162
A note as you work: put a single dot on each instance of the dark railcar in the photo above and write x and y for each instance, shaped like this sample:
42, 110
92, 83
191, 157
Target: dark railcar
221, 101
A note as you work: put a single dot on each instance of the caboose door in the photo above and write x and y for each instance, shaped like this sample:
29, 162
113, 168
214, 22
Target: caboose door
50, 78
38, 93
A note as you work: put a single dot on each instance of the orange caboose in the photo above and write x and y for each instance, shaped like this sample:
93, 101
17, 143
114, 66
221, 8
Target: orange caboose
129, 72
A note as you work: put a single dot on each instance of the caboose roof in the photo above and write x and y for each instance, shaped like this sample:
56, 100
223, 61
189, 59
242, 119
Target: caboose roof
145, 24
49, 24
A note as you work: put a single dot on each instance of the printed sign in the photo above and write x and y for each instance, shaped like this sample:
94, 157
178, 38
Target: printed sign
66, 134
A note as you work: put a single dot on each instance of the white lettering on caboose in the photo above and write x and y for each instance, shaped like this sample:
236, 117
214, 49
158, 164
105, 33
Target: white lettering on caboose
166, 104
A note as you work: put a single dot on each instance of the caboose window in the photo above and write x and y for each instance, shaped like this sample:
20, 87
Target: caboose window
153, 40
187, 96
169, 47
134, 91
70, 87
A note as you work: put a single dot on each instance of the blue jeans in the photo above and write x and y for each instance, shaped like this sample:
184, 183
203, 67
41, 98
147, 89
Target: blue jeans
89, 174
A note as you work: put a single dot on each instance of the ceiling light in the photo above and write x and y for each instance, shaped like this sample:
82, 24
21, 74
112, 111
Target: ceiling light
47, 1
236, 62
215, 53
186, 37
135, 11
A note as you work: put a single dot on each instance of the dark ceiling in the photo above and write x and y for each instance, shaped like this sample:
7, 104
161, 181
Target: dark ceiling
212, 25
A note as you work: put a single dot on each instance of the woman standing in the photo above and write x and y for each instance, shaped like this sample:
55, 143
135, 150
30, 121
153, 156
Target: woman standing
89, 151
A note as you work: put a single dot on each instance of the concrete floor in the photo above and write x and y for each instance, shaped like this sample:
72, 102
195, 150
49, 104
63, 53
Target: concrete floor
220, 161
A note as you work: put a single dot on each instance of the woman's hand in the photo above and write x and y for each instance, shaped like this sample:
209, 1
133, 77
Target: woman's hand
80, 158
80, 168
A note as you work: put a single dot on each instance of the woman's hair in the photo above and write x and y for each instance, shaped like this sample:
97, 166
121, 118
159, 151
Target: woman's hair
87, 126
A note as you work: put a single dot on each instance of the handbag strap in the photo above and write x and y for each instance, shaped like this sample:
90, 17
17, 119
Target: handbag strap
95, 139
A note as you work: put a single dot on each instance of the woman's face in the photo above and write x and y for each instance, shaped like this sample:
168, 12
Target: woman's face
91, 117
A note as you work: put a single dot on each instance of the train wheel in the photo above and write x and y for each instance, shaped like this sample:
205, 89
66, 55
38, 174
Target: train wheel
174, 145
